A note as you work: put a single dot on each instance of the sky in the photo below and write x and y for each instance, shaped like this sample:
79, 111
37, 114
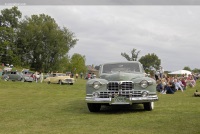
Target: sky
105, 31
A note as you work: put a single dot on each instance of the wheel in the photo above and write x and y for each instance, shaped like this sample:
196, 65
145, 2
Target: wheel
149, 106
48, 82
22, 80
71, 83
94, 107
60, 82
6, 78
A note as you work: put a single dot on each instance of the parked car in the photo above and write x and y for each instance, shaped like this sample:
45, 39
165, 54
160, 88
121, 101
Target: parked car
27, 73
59, 78
121, 83
16, 76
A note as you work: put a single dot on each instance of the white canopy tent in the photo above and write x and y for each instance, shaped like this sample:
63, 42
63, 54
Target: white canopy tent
181, 72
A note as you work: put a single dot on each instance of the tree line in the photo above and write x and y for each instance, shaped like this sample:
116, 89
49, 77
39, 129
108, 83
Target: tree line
37, 42
150, 61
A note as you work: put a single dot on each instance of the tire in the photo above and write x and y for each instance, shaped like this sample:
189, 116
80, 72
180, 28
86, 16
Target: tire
48, 82
6, 78
149, 106
22, 80
94, 107
60, 82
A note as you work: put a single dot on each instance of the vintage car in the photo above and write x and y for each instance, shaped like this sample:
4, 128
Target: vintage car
17, 76
27, 72
59, 78
121, 83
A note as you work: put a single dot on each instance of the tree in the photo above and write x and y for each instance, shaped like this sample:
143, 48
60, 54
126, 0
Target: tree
150, 61
133, 57
196, 70
42, 44
78, 63
187, 68
9, 20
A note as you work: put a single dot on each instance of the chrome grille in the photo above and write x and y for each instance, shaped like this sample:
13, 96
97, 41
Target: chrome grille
124, 85
122, 93
68, 80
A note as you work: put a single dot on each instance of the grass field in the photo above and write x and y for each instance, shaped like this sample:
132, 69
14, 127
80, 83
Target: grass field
39, 108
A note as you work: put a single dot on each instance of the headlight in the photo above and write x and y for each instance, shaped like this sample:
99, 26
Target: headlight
95, 94
145, 94
96, 85
144, 84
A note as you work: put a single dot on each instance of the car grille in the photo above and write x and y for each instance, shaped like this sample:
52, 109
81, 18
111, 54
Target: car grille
124, 85
120, 93
68, 80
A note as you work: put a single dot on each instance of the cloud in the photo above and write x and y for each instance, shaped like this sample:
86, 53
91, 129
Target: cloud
171, 32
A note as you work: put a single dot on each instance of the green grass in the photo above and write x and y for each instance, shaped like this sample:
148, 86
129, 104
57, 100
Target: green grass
39, 108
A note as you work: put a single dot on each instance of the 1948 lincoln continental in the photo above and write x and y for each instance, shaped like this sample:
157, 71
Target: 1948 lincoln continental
121, 83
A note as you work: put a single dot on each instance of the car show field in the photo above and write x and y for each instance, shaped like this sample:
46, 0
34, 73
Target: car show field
30, 108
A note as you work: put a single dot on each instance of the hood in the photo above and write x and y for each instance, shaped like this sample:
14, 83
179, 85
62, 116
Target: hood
121, 76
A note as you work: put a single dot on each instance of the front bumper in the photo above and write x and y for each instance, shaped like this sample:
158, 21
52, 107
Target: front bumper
67, 81
121, 100
29, 79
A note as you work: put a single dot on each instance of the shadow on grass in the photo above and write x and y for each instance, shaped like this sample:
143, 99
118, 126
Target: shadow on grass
122, 109
78, 107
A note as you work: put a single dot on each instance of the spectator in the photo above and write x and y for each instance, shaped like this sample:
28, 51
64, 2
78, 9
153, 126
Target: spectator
161, 70
190, 81
157, 74
76, 75
170, 88
178, 85
41, 77
37, 76
81, 75
72, 75
89, 76
184, 83
159, 86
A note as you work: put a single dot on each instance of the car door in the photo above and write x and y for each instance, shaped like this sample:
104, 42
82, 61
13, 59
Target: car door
54, 79
11, 75
18, 76
15, 76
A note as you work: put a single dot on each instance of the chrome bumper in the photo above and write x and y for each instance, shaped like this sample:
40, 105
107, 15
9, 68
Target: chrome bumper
67, 81
121, 100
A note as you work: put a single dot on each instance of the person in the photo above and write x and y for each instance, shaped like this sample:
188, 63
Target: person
161, 70
190, 81
157, 75
41, 77
178, 85
37, 76
81, 75
93, 76
72, 75
184, 83
159, 86
170, 88
76, 76
164, 83
89, 76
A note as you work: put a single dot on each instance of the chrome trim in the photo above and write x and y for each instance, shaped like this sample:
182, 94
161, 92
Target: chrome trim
130, 100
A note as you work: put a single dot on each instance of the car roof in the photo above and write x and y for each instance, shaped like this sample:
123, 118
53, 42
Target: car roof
122, 62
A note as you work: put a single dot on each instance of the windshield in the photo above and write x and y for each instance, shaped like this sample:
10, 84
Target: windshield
121, 67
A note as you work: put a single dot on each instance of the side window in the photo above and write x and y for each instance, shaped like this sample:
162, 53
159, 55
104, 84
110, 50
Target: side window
142, 68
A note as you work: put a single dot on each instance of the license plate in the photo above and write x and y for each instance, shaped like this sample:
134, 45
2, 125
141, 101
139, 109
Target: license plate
120, 99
